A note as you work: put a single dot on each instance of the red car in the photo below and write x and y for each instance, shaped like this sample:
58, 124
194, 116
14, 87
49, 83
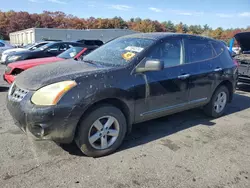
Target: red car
13, 69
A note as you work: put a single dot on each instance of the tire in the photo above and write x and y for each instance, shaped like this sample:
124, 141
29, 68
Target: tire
210, 108
87, 130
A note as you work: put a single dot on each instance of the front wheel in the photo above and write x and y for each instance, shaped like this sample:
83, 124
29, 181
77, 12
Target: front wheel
216, 107
102, 131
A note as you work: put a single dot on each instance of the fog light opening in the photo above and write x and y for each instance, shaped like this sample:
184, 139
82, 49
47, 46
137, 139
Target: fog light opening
38, 131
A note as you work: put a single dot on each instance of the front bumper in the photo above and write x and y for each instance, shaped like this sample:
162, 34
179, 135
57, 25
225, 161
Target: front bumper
9, 78
57, 123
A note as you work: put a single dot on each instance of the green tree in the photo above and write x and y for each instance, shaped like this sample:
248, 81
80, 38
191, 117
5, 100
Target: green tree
217, 33
179, 28
170, 27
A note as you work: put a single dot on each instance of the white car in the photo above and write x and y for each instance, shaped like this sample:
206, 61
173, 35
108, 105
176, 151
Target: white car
29, 47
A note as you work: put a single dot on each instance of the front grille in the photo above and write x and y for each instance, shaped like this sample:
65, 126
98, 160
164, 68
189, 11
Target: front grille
16, 93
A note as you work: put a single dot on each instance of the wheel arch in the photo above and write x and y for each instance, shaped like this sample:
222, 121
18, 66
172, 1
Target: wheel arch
229, 85
118, 103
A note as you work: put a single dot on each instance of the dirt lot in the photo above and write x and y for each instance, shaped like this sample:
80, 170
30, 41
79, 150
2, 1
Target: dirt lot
184, 150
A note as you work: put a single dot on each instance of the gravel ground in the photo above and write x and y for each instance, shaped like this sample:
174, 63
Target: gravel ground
183, 150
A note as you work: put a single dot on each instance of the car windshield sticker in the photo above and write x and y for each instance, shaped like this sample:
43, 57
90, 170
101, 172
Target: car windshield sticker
134, 49
128, 55
72, 54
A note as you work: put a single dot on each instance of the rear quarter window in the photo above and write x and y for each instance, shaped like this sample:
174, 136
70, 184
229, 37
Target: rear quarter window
198, 50
98, 43
218, 48
90, 43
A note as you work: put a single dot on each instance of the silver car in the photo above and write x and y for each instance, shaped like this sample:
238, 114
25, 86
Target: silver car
4, 46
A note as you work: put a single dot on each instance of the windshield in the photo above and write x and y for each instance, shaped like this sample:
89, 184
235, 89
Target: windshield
41, 48
118, 52
70, 53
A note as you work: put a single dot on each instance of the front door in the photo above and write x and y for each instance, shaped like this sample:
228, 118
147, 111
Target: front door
166, 91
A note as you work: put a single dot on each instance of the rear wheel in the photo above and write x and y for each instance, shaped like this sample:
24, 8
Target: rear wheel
102, 131
216, 107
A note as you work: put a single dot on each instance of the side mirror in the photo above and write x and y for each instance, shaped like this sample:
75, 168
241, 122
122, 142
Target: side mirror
151, 65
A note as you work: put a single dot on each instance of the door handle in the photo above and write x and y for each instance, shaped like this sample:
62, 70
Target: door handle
184, 76
218, 69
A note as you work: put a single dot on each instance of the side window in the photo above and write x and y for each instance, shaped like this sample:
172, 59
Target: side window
89, 42
169, 52
81, 41
198, 50
63, 47
98, 43
218, 48
37, 46
53, 48
2, 44
41, 44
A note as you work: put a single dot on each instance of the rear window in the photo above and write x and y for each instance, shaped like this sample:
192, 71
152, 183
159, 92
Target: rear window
218, 47
198, 50
91, 42
98, 43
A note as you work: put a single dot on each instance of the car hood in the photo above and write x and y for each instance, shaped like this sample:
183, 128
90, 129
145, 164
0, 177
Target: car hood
244, 40
14, 50
37, 77
34, 62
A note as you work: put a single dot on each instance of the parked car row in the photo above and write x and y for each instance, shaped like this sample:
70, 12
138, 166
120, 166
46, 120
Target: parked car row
95, 101
26, 48
20, 59
14, 69
12, 54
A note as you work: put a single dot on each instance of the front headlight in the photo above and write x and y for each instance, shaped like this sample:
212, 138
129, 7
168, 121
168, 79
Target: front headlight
51, 94
14, 57
8, 70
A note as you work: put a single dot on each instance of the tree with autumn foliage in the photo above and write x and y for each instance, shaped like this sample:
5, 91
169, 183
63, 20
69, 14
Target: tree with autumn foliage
12, 21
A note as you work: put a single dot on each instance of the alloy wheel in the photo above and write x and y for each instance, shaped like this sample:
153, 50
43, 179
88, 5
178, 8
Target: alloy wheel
220, 102
104, 132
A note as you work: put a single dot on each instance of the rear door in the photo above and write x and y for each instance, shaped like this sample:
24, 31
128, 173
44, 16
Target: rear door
201, 55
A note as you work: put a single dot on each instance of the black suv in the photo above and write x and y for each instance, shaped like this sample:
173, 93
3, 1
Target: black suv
128, 80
